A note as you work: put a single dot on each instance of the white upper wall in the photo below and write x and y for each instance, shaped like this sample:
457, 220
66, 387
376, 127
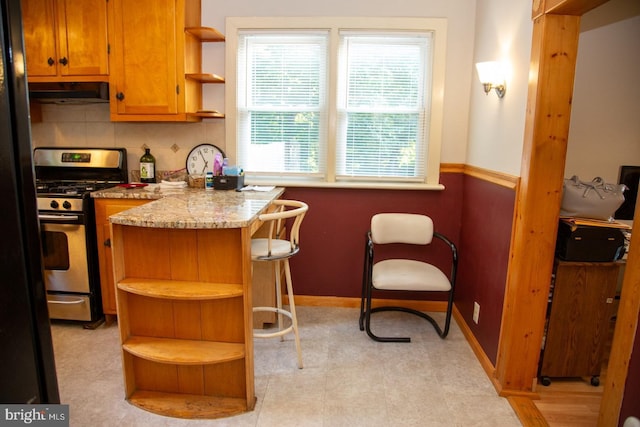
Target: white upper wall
460, 15
82, 126
496, 126
605, 117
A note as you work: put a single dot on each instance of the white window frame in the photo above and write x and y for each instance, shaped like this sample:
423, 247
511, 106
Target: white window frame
334, 25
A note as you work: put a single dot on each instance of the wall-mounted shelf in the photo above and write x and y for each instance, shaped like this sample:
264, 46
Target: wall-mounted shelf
205, 78
208, 114
205, 34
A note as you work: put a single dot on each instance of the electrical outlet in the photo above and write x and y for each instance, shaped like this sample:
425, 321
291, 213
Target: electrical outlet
476, 312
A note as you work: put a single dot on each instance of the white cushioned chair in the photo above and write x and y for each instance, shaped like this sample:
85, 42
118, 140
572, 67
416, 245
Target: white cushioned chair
414, 275
277, 249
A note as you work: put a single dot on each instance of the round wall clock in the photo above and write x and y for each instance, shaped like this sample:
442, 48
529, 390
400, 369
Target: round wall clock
200, 158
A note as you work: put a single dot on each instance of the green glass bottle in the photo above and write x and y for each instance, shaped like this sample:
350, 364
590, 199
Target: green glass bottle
147, 167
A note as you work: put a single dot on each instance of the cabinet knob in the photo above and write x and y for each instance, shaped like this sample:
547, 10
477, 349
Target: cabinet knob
50, 61
120, 96
107, 243
64, 61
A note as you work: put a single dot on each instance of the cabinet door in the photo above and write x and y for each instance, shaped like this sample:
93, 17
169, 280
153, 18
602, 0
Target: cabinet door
579, 322
38, 22
144, 78
104, 209
82, 37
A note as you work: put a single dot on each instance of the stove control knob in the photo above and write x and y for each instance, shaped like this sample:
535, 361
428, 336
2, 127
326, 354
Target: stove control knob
66, 204
54, 204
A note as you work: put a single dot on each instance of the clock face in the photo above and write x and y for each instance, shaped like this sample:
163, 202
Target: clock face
200, 158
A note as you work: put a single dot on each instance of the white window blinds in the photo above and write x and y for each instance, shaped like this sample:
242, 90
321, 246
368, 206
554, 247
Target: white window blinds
383, 106
336, 101
281, 102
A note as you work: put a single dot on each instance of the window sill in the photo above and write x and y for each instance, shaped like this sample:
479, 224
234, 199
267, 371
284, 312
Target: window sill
354, 185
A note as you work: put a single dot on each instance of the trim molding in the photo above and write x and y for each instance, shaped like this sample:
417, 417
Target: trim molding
350, 302
486, 364
451, 168
527, 411
498, 178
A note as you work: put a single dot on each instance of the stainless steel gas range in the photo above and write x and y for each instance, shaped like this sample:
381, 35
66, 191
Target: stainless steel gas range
65, 177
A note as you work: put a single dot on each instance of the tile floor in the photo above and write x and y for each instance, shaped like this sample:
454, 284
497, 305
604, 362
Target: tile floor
348, 379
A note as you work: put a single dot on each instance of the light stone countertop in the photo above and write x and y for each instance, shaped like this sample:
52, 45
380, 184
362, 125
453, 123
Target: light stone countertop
191, 208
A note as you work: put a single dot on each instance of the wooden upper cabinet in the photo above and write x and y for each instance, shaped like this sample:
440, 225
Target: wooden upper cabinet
145, 79
151, 56
66, 40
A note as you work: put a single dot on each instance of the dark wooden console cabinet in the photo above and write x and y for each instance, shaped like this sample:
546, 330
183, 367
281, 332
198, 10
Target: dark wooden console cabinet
579, 319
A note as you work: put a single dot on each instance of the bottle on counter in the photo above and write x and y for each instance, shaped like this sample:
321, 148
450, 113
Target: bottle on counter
217, 165
147, 167
208, 181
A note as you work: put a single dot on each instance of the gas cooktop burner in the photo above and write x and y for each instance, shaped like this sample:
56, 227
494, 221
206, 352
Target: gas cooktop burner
71, 189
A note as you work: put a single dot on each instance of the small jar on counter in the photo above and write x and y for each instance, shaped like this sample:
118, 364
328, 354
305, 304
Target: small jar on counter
208, 181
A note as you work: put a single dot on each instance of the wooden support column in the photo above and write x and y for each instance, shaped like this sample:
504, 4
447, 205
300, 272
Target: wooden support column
552, 68
623, 338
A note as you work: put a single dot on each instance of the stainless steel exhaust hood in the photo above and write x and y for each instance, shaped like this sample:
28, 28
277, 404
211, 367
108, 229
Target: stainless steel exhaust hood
69, 93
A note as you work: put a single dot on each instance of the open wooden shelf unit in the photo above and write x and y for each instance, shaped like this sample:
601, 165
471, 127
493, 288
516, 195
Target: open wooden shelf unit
184, 313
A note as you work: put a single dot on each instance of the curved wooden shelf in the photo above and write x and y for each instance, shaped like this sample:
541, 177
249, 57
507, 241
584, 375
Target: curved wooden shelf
181, 405
179, 289
183, 352
207, 114
205, 77
205, 34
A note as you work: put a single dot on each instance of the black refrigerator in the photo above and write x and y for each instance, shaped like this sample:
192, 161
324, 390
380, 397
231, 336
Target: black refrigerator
27, 366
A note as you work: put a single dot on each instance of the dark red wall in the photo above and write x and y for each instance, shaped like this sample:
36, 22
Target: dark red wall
487, 217
332, 236
475, 214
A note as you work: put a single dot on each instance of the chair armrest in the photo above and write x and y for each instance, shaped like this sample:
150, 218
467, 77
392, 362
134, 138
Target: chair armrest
454, 254
449, 243
369, 245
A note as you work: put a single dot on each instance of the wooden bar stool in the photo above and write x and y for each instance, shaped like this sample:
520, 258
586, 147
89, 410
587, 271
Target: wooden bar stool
275, 248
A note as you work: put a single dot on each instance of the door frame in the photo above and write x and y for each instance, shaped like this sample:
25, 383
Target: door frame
556, 30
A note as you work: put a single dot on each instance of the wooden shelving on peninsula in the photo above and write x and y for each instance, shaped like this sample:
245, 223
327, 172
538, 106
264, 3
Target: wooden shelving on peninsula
184, 313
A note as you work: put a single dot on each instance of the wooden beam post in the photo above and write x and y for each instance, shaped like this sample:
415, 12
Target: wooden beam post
623, 338
571, 7
552, 68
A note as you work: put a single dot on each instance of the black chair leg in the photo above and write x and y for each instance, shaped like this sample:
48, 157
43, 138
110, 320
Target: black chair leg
441, 333
368, 324
366, 279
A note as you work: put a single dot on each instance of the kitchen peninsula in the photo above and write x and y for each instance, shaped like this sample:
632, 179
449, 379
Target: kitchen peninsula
182, 268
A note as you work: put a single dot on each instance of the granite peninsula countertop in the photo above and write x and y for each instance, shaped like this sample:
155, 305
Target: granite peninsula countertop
190, 208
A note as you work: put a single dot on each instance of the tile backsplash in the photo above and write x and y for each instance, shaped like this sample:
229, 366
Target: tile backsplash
88, 125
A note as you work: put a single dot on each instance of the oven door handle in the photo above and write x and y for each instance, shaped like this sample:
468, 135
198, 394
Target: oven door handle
75, 301
58, 217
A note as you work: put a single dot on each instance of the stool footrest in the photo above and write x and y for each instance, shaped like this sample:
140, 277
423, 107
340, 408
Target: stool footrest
278, 333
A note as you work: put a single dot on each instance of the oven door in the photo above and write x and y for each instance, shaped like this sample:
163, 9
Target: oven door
66, 271
64, 247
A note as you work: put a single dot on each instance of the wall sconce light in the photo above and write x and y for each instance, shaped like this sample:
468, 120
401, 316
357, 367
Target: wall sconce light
492, 76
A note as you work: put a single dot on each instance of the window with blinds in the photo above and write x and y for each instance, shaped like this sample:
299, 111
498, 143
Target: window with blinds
281, 108
382, 106
335, 104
